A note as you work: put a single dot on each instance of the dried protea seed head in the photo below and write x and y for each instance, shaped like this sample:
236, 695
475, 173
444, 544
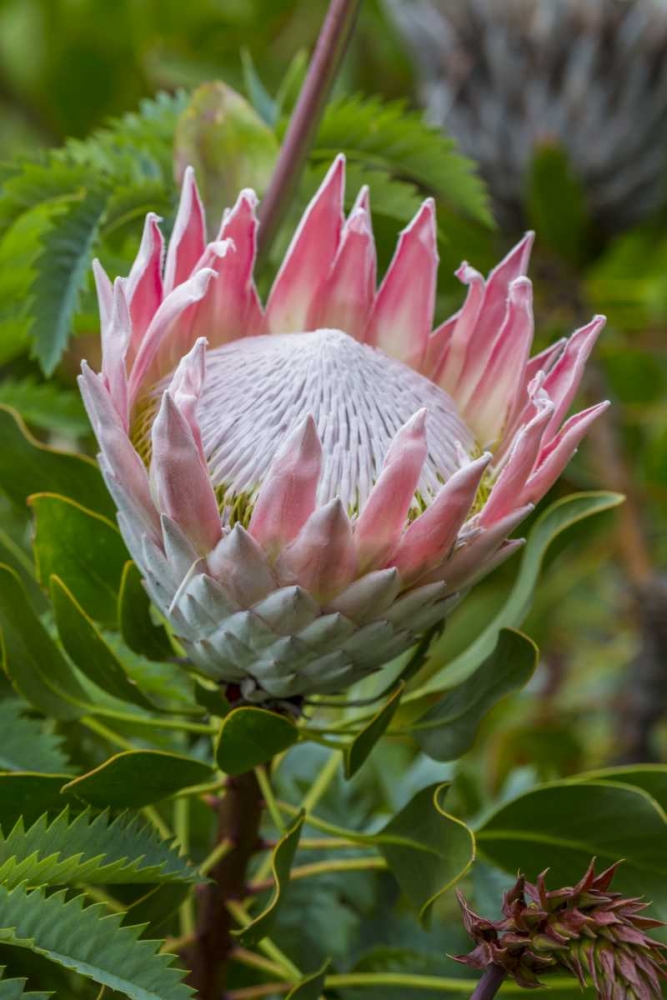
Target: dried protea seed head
307, 486
506, 77
596, 934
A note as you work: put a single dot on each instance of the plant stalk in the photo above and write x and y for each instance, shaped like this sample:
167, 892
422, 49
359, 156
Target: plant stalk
327, 57
489, 984
239, 816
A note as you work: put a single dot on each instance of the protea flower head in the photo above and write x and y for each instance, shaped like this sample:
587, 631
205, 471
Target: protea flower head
505, 77
305, 487
594, 933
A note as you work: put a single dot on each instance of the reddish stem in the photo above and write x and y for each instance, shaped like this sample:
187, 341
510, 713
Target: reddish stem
489, 984
329, 51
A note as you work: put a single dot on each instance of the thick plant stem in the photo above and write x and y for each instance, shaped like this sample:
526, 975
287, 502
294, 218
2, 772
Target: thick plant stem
239, 816
329, 51
489, 984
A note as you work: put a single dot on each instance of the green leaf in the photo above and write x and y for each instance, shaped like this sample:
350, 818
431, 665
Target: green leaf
46, 405
426, 849
28, 795
28, 467
251, 736
651, 778
14, 989
310, 987
90, 941
386, 134
363, 743
448, 729
282, 860
556, 204
61, 271
13, 554
31, 659
87, 649
564, 824
83, 549
134, 618
91, 849
556, 519
136, 778
25, 743
212, 699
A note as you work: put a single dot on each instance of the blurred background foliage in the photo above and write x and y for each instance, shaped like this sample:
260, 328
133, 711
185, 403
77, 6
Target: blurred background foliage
75, 69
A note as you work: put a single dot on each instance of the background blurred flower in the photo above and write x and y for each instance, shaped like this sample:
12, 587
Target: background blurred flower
308, 495
509, 77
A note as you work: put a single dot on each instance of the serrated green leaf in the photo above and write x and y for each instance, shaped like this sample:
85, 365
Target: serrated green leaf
360, 748
251, 736
91, 849
282, 860
27, 467
556, 519
46, 405
28, 795
14, 989
134, 618
448, 729
87, 649
386, 134
31, 659
90, 941
25, 744
426, 849
60, 272
136, 778
82, 548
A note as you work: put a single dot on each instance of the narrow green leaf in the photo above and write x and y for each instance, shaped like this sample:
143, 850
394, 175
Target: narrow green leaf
88, 650
61, 271
25, 744
310, 987
282, 860
426, 849
13, 554
90, 941
448, 729
31, 659
46, 405
556, 519
134, 618
564, 824
83, 549
28, 467
251, 736
28, 795
136, 778
363, 743
91, 849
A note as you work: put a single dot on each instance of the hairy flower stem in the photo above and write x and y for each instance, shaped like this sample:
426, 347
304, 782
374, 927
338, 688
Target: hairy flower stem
329, 51
489, 984
239, 816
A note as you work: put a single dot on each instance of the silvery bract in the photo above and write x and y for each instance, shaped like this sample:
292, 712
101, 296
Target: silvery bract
306, 486
504, 77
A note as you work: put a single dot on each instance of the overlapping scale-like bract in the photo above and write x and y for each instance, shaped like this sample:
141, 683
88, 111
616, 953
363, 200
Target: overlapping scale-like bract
307, 487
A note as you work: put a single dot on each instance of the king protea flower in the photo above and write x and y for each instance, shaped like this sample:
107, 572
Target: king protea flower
306, 486
595, 933
505, 77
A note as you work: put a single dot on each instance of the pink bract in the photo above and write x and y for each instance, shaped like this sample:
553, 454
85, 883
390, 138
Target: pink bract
307, 487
